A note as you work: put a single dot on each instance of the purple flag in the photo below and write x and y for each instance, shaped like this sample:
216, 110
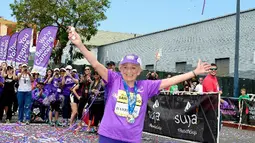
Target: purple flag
11, 52
23, 46
44, 48
3, 48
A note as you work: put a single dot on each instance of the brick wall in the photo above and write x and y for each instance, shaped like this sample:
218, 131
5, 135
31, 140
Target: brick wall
208, 40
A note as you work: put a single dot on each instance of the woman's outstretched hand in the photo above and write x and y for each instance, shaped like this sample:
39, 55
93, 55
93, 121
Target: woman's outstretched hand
202, 68
74, 37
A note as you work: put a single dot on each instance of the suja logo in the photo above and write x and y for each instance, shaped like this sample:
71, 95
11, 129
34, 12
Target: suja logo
154, 115
156, 104
187, 107
186, 119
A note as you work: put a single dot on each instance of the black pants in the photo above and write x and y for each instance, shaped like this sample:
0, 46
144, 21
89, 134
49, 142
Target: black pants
81, 105
15, 103
67, 107
9, 112
210, 126
41, 107
6, 101
96, 111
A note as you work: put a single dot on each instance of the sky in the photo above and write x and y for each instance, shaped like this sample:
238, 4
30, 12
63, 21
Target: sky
147, 16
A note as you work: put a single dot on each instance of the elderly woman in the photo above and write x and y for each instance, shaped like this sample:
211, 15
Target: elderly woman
127, 99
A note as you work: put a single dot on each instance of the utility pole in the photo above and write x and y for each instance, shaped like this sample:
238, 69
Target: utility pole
236, 74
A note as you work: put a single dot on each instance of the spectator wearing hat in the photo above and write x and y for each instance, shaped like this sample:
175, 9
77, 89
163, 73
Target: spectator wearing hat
68, 81
74, 73
38, 95
74, 101
62, 72
8, 93
15, 101
24, 94
55, 82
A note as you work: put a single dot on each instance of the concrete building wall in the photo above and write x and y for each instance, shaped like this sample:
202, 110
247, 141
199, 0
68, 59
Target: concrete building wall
208, 40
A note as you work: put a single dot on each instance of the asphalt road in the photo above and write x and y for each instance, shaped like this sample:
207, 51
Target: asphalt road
36, 133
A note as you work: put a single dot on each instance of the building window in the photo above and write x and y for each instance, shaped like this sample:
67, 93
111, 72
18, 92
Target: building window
180, 67
223, 66
149, 67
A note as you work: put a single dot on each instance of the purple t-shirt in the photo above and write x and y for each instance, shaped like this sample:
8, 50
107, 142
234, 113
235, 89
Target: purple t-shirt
35, 95
69, 83
114, 123
56, 82
55, 85
47, 86
2, 81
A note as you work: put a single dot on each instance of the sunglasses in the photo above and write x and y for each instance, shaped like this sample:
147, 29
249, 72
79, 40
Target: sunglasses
87, 69
213, 69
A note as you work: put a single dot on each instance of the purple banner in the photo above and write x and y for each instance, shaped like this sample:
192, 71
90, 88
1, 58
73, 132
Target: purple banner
11, 52
230, 112
44, 48
3, 48
23, 46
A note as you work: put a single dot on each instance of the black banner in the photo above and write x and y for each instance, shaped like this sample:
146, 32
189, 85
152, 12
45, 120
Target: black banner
187, 117
248, 112
231, 112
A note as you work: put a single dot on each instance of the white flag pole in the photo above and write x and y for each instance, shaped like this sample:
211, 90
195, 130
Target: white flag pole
158, 55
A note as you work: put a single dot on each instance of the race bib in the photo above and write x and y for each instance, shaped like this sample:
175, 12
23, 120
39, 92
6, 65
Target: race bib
121, 107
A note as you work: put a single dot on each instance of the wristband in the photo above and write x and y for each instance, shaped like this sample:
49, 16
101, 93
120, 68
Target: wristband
194, 73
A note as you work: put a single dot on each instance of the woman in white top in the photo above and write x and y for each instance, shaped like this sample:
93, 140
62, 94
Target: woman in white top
24, 94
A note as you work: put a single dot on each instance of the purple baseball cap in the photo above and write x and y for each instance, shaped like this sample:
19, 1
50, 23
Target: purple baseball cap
131, 58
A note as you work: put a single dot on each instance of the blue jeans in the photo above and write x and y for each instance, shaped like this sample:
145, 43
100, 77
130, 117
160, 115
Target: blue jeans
25, 102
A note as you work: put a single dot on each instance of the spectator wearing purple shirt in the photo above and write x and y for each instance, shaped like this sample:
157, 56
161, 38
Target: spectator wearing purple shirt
38, 95
49, 74
68, 82
55, 82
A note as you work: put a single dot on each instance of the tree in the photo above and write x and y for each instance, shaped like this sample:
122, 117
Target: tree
84, 15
